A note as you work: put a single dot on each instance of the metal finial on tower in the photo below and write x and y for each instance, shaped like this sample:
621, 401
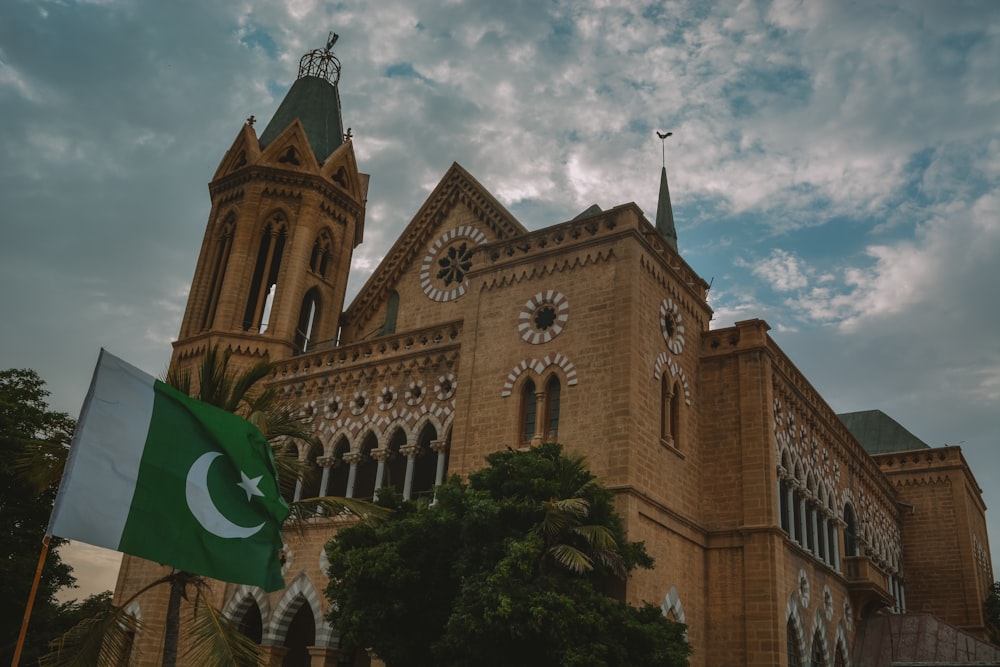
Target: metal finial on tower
321, 63
663, 145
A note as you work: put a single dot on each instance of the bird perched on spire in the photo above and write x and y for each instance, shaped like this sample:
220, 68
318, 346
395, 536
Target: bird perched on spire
663, 135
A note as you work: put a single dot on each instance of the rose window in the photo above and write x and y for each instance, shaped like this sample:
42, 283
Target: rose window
444, 271
455, 264
543, 317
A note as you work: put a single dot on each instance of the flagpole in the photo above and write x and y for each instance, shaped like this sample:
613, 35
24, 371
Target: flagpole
31, 601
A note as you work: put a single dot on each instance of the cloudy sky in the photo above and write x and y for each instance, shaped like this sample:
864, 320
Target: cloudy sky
834, 167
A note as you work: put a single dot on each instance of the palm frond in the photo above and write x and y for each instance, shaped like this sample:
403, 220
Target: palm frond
571, 558
105, 639
41, 465
214, 641
559, 516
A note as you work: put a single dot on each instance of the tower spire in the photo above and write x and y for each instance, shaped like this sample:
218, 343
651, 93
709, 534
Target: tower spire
664, 212
314, 99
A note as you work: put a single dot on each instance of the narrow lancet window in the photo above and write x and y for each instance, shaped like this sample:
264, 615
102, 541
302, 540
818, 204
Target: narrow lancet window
264, 281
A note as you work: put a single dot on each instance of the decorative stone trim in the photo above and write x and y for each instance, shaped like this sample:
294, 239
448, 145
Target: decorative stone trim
543, 317
333, 407
387, 398
827, 603
662, 360
446, 387
671, 325
359, 403
672, 603
415, 393
803, 588
457, 264
538, 367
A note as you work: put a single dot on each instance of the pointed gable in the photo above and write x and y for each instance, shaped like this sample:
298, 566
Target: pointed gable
458, 216
291, 150
341, 167
244, 151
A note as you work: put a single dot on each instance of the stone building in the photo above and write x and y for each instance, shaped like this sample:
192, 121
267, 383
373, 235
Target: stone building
778, 537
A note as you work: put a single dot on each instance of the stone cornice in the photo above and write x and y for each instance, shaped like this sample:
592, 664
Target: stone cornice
285, 182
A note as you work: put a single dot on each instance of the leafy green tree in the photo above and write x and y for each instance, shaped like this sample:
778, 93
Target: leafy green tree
991, 612
520, 566
28, 426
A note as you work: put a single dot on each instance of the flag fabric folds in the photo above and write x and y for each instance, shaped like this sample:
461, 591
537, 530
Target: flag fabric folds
157, 474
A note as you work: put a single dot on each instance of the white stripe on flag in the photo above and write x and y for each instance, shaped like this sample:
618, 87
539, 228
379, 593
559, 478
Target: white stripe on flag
103, 465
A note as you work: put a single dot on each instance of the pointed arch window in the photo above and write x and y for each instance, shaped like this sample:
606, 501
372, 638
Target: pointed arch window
391, 313
308, 317
339, 469
850, 531
818, 658
223, 247
263, 283
529, 411
553, 391
319, 260
670, 411
792, 634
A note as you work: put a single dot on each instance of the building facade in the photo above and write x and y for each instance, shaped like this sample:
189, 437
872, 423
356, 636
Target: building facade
776, 534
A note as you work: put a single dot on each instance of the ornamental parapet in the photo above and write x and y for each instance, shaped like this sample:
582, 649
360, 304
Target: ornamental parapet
326, 356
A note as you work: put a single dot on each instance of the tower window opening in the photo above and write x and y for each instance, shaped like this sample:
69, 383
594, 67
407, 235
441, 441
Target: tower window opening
223, 248
264, 281
552, 399
529, 411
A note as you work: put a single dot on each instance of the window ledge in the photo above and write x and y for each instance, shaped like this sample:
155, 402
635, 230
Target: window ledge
669, 445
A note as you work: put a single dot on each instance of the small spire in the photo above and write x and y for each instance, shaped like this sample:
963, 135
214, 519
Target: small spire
664, 212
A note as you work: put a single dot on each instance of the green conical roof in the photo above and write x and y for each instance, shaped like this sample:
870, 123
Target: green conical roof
665, 213
316, 103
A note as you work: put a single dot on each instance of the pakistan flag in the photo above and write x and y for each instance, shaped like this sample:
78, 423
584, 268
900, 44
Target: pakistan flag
157, 474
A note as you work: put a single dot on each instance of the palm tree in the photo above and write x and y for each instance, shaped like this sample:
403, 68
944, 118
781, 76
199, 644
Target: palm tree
211, 638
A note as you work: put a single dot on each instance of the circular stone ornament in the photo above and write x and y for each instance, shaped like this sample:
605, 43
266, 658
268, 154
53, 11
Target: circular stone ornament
543, 317
443, 273
671, 325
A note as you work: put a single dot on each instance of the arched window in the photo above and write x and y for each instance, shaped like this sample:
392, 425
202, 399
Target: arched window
675, 414
308, 317
395, 464
553, 392
339, 469
839, 659
264, 281
364, 481
529, 411
220, 260
251, 625
425, 464
794, 655
391, 313
319, 260
785, 496
818, 657
850, 531
300, 636
665, 405
313, 474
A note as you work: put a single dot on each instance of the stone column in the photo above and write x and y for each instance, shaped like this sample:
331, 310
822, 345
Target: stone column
540, 419
325, 462
440, 447
353, 458
380, 454
835, 542
409, 450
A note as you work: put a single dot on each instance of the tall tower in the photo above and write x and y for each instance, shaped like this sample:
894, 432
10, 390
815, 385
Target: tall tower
288, 210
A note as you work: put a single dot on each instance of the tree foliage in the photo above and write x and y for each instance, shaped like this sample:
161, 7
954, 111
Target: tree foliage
29, 430
518, 566
991, 612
